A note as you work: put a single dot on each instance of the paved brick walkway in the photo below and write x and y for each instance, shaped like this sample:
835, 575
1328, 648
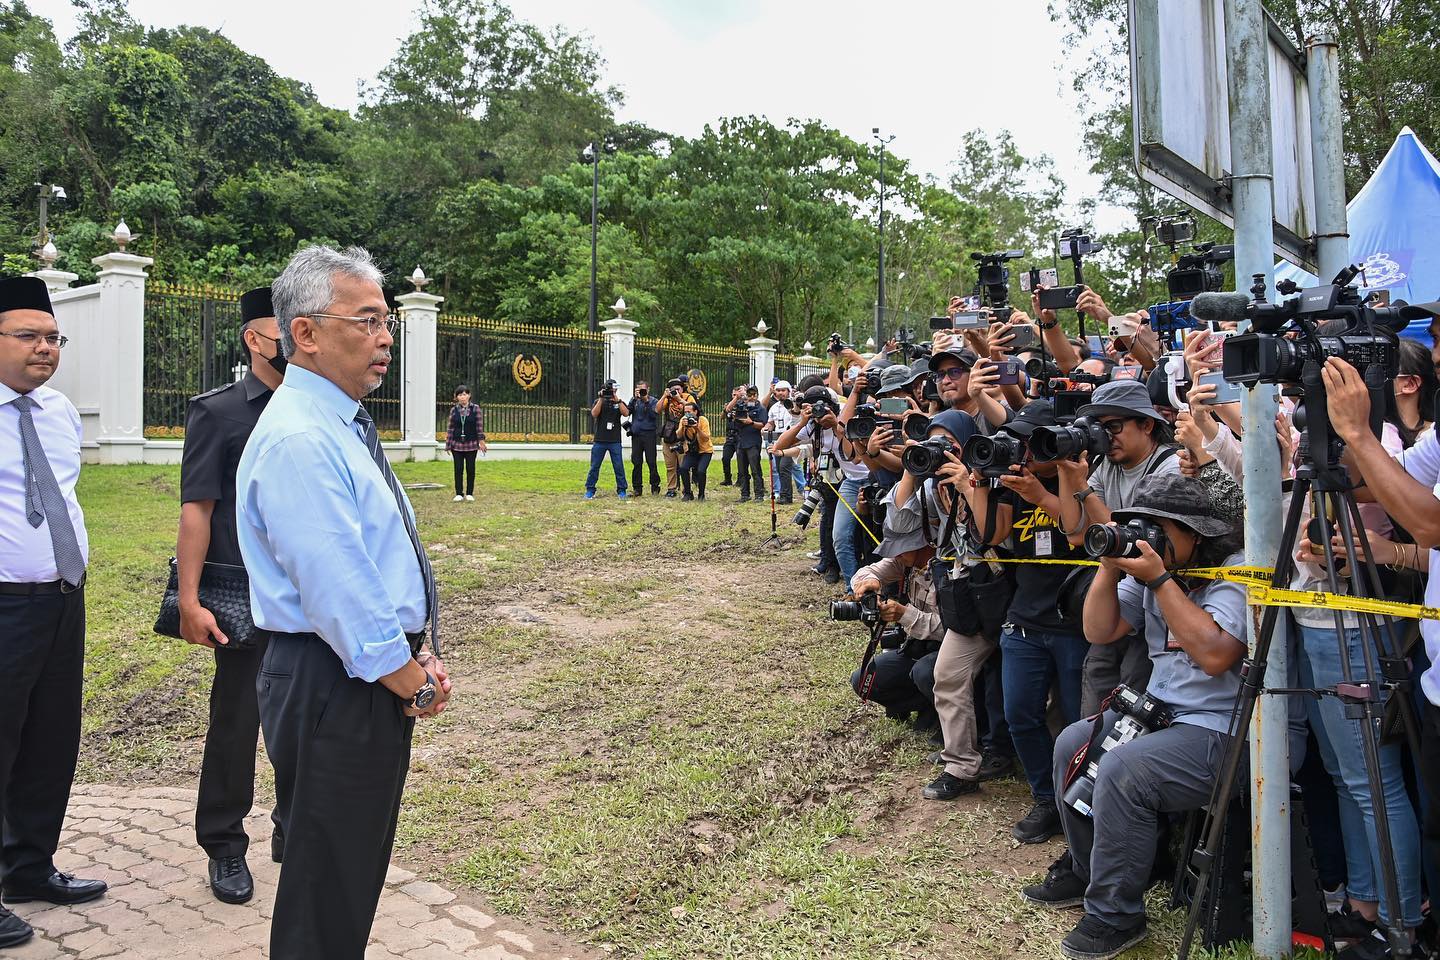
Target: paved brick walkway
142, 841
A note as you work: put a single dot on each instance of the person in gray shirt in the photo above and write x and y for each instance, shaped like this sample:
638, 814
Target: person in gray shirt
1195, 632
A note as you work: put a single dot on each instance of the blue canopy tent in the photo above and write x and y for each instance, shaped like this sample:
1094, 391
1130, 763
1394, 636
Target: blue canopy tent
1394, 221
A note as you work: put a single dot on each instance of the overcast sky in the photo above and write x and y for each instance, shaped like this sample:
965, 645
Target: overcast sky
923, 71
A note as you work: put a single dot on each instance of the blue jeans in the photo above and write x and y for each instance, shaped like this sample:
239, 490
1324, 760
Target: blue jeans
844, 531
1344, 756
1032, 662
598, 452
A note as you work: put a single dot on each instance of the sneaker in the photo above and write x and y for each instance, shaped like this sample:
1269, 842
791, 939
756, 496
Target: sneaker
1377, 947
1335, 899
700, 497
621, 494
948, 787
654, 491
589, 494
688, 496
1347, 924
1061, 889
671, 494
993, 766
726, 483
744, 499
813, 555
785, 501
1039, 825
1094, 939
470, 497
457, 499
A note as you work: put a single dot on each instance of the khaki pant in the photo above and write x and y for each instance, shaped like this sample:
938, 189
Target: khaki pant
672, 470
958, 664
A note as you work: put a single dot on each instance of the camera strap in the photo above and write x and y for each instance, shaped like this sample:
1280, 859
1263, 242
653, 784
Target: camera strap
1077, 762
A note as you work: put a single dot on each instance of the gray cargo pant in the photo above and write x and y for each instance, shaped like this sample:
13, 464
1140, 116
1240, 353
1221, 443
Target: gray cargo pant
1108, 665
1170, 770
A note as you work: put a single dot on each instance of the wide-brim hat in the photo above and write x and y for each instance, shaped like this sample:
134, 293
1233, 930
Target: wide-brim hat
25, 293
256, 305
920, 368
895, 543
1171, 496
897, 376
1121, 398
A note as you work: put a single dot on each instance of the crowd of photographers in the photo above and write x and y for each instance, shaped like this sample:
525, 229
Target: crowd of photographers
955, 484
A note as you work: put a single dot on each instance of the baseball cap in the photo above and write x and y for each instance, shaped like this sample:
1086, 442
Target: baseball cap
1036, 413
782, 385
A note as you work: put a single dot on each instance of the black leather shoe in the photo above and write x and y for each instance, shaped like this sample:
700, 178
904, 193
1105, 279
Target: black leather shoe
947, 786
230, 879
13, 930
59, 888
277, 847
994, 766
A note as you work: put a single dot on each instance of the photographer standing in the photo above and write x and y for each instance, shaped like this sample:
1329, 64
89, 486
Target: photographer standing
750, 420
643, 431
732, 433
1140, 446
695, 434
786, 473
818, 427
607, 411
668, 412
1195, 632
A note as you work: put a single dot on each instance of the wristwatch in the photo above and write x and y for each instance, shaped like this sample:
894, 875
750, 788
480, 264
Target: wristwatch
1082, 493
1154, 585
425, 695
1049, 326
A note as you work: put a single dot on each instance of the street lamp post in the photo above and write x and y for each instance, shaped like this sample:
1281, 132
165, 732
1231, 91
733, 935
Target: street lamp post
48, 192
880, 268
592, 157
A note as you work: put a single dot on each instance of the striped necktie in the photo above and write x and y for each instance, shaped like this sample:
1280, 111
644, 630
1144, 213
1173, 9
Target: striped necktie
371, 436
44, 501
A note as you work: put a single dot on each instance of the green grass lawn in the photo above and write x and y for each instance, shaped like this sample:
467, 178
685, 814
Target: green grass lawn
653, 745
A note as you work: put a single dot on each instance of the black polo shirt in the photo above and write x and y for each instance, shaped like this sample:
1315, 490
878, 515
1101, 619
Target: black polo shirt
217, 424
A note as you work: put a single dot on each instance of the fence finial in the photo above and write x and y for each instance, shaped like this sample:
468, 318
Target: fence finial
122, 235
419, 279
619, 308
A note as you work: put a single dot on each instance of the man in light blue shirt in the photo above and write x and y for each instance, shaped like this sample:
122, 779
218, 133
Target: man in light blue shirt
340, 580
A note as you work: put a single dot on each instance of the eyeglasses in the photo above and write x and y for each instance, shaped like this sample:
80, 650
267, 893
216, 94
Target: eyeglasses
951, 373
372, 323
29, 338
1113, 427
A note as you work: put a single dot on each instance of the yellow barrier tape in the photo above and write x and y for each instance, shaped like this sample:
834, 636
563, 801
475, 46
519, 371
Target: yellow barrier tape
868, 532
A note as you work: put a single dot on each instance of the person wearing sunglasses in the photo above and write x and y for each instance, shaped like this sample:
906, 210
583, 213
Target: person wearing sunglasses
1141, 444
951, 370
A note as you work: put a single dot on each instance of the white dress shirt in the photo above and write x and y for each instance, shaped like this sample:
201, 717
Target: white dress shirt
26, 555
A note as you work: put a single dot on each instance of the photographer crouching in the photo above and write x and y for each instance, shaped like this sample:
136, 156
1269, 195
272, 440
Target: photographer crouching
1156, 751
896, 598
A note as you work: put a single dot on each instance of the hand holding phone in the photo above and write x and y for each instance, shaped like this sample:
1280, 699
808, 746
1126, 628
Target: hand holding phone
1224, 390
1023, 337
1007, 371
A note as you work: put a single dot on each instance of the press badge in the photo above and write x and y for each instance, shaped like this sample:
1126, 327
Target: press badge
1042, 543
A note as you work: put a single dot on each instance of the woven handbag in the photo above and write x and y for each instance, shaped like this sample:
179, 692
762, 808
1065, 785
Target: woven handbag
225, 592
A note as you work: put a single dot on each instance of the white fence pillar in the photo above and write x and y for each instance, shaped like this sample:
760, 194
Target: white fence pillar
620, 351
121, 279
420, 316
54, 280
762, 358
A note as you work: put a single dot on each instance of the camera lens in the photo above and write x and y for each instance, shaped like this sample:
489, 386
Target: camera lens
844, 610
1102, 541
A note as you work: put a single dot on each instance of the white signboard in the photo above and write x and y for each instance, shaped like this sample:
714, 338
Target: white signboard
1181, 116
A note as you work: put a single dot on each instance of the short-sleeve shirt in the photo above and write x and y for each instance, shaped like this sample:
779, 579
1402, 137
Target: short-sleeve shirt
1192, 695
217, 425
746, 432
1422, 461
1036, 536
607, 425
1116, 484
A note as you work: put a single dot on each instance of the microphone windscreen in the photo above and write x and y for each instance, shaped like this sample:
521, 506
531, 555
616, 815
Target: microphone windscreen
1219, 307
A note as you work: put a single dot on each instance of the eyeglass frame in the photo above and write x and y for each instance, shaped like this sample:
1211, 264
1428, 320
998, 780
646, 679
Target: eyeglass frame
1117, 426
391, 321
56, 341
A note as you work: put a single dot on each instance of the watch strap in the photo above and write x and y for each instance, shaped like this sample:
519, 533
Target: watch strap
1154, 585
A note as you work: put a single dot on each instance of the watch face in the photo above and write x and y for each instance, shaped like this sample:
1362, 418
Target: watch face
425, 697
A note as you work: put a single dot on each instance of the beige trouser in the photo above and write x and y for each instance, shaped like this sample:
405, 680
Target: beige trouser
672, 469
956, 667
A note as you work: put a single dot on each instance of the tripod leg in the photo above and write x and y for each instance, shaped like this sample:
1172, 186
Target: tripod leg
1252, 677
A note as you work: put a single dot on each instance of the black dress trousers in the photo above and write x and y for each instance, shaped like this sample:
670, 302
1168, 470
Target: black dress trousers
340, 748
42, 661
227, 772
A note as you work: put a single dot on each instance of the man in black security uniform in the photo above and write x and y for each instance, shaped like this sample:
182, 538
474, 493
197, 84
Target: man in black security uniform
43, 552
217, 425
750, 420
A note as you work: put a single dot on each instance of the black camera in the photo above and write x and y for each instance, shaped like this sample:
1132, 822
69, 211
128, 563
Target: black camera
1038, 368
928, 456
994, 280
993, 456
1082, 435
820, 409
1200, 272
608, 390
865, 610
837, 345
1103, 540
690, 419
1140, 714
862, 423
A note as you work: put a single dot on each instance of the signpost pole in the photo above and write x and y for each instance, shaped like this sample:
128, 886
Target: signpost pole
1327, 138
1251, 166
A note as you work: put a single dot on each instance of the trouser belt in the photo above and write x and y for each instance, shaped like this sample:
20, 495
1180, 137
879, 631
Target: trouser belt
415, 639
38, 589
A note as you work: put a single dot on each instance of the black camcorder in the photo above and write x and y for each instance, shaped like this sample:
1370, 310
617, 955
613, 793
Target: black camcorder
1082, 435
608, 390
928, 456
993, 282
993, 456
1103, 540
1200, 272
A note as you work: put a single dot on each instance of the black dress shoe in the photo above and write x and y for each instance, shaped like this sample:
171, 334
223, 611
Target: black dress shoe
59, 888
230, 879
947, 786
277, 847
13, 930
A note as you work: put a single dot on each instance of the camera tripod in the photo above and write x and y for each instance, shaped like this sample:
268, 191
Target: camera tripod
1323, 483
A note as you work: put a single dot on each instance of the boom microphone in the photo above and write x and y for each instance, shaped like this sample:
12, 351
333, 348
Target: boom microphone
1219, 307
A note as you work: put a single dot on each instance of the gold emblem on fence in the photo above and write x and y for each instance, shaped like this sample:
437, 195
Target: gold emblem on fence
526, 371
697, 383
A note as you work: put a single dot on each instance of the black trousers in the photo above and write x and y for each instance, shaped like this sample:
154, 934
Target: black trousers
903, 685
749, 468
464, 464
341, 749
42, 662
830, 502
727, 452
227, 772
642, 451
695, 468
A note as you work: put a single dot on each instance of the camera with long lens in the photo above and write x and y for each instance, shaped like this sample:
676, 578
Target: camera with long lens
1082, 435
993, 456
807, 506
865, 610
862, 423
1038, 368
1140, 714
928, 456
916, 427
993, 283
1123, 540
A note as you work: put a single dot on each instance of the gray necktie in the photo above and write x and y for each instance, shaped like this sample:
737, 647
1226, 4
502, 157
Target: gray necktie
43, 500
432, 601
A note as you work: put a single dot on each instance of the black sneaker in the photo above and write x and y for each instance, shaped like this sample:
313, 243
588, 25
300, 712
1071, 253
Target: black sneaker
744, 499
993, 766
726, 483
688, 496
831, 575
948, 786
1061, 889
1039, 825
1094, 939
13, 930
1348, 924
670, 494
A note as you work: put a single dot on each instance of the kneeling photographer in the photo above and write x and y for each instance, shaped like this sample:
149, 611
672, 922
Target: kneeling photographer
1153, 751
896, 598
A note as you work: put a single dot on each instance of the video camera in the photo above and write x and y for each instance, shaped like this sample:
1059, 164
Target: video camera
608, 390
993, 283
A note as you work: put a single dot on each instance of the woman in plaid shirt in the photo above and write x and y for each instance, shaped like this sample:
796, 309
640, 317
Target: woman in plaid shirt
463, 437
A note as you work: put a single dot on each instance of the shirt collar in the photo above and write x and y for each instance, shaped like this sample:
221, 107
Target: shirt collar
254, 386
7, 395
322, 391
